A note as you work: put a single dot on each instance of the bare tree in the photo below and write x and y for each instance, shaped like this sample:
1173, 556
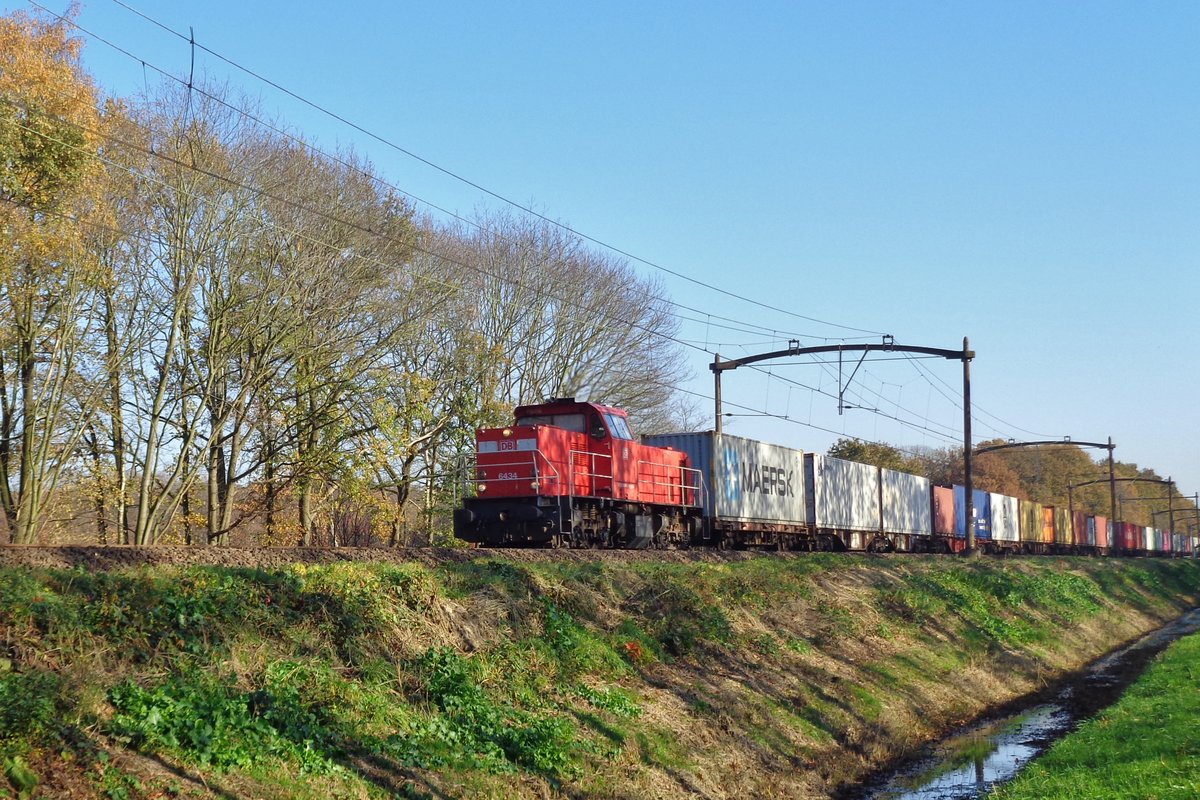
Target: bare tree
568, 320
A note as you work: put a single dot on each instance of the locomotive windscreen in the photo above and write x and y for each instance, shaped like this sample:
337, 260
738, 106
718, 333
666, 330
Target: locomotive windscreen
570, 422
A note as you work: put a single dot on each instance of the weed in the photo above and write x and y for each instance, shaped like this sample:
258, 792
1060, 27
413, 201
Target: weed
683, 619
801, 646
497, 732
205, 721
613, 699
635, 644
29, 705
577, 649
766, 644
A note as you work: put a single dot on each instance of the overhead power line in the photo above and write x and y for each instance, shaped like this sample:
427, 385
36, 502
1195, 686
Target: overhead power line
191, 41
243, 185
192, 87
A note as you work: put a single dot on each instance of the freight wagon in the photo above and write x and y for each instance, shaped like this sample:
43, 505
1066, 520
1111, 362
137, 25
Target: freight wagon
752, 494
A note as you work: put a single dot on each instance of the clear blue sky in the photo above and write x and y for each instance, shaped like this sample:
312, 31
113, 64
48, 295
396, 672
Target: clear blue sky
1023, 173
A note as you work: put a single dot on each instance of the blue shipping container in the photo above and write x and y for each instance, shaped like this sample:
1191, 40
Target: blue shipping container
983, 513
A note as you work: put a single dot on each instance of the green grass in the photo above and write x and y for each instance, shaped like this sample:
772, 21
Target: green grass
1147, 745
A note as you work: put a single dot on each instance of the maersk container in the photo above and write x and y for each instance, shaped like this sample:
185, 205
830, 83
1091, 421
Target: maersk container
906, 503
842, 495
743, 480
1006, 518
981, 501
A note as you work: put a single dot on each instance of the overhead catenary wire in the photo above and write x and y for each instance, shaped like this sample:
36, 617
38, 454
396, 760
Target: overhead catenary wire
166, 74
954, 397
976, 408
325, 215
334, 218
948, 433
456, 176
193, 87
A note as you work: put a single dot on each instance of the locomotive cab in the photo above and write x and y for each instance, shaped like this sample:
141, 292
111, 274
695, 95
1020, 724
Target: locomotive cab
571, 472
599, 422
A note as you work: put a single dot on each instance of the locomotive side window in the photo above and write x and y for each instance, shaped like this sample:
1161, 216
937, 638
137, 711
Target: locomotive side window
619, 427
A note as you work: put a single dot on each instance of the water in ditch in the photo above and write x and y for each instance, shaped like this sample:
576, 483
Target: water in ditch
973, 761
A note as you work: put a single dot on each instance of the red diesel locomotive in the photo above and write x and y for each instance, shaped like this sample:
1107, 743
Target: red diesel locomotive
568, 473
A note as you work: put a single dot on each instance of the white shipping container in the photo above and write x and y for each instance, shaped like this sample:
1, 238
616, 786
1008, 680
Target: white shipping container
1006, 518
842, 495
744, 480
907, 503
1149, 538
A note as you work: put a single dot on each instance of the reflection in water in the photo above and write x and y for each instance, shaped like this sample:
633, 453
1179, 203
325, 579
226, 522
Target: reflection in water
970, 764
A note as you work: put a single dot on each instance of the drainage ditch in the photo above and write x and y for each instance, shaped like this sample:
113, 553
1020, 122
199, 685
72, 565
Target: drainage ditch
972, 761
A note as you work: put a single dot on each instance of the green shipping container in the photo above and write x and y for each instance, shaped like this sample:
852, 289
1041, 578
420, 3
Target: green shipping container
1031, 521
1062, 526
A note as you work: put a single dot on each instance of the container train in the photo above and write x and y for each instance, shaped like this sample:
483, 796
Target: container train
572, 474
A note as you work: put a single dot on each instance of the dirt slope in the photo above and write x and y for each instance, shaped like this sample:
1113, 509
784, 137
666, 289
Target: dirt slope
528, 674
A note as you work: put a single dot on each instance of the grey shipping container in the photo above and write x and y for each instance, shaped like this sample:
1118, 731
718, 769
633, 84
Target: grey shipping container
842, 495
907, 503
744, 480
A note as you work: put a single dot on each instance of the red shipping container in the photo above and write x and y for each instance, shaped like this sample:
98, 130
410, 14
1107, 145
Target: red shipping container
1101, 531
1079, 528
943, 510
1131, 536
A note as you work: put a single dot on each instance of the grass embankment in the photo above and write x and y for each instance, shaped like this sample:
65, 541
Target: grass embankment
720, 676
1146, 745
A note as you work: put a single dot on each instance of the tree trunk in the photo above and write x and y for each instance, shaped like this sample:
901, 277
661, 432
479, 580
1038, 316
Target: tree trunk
93, 441
27, 482
117, 418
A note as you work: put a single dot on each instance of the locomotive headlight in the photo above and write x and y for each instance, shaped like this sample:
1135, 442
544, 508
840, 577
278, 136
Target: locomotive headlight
481, 488
507, 432
534, 485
